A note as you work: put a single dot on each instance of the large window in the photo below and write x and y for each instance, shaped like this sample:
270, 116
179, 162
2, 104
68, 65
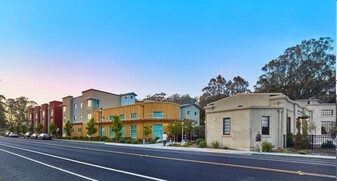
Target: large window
102, 131
52, 112
111, 118
64, 108
122, 132
79, 130
121, 117
226, 126
325, 112
89, 103
157, 130
75, 106
265, 125
158, 115
133, 116
133, 131
111, 133
89, 116
95, 103
327, 127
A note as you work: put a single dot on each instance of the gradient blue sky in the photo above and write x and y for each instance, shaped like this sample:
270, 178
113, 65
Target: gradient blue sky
52, 49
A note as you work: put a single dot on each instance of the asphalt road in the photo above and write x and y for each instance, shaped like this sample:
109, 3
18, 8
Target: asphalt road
26, 159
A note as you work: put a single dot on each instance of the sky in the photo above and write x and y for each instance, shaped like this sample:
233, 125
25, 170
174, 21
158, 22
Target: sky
56, 48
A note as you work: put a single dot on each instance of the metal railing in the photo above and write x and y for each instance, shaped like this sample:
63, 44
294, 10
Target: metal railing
323, 142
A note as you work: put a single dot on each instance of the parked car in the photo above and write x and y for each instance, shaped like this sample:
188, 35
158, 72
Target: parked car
34, 136
13, 135
27, 135
44, 136
7, 133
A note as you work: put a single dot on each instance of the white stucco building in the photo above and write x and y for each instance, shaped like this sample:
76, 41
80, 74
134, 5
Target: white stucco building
323, 114
234, 121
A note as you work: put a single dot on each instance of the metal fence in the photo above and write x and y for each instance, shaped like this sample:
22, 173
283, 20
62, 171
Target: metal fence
324, 142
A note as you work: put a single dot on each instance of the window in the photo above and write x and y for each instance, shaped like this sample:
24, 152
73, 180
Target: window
64, 119
95, 103
44, 114
133, 131
157, 130
79, 130
103, 118
195, 113
133, 116
111, 133
327, 126
72, 130
81, 104
102, 131
121, 117
265, 125
188, 112
131, 97
89, 116
126, 97
81, 117
75, 117
31, 116
122, 132
89, 103
75, 106
52, 112
36, 116
325, 112
111, 118
158, 115
64, 108
226, 126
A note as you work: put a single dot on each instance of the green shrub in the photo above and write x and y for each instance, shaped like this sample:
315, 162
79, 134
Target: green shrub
149, 140
215, 144
267, 146
199, 140
135, 142
128, 141
328, 144
290, 140
225, 147
157, 138
122, 140
74, 138
283, 150
202, 144
302, 152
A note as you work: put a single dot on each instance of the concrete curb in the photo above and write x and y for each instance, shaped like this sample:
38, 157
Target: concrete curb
208, 150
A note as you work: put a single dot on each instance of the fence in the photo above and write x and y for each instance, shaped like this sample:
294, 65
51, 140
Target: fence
325, 142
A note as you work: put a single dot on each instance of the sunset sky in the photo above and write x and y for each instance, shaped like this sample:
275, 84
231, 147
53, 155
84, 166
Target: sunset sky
52, 49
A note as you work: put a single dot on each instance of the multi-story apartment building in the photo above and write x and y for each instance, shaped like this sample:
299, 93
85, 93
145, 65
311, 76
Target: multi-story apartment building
45, 114
78, 110
191, 112
323, 115
135, 116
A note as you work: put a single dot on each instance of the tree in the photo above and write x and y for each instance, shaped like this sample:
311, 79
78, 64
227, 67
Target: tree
182, 99
188, 128
219, 88
174, 129
68, 128
52, 128
91, 127
16, 110
304, 71
147, 130
3, 119
238, 85
116, 127
156, 97
39, 128
31, 128
23, 129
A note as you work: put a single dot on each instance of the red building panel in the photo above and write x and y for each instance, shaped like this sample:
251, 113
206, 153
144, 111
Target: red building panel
56, 114
45, 116
37, 115
30, 116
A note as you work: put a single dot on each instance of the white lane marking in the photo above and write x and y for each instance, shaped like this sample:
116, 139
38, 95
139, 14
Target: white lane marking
45, 164
88, 164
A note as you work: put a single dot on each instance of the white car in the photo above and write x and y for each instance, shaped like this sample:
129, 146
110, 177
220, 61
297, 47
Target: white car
13, 135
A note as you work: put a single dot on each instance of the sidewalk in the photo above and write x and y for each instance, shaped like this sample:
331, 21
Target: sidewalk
208, 150
211, 150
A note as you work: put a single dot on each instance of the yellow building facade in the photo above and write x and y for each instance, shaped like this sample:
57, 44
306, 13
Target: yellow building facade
134, 117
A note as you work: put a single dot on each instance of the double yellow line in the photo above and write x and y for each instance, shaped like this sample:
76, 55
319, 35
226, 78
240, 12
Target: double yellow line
197, 161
